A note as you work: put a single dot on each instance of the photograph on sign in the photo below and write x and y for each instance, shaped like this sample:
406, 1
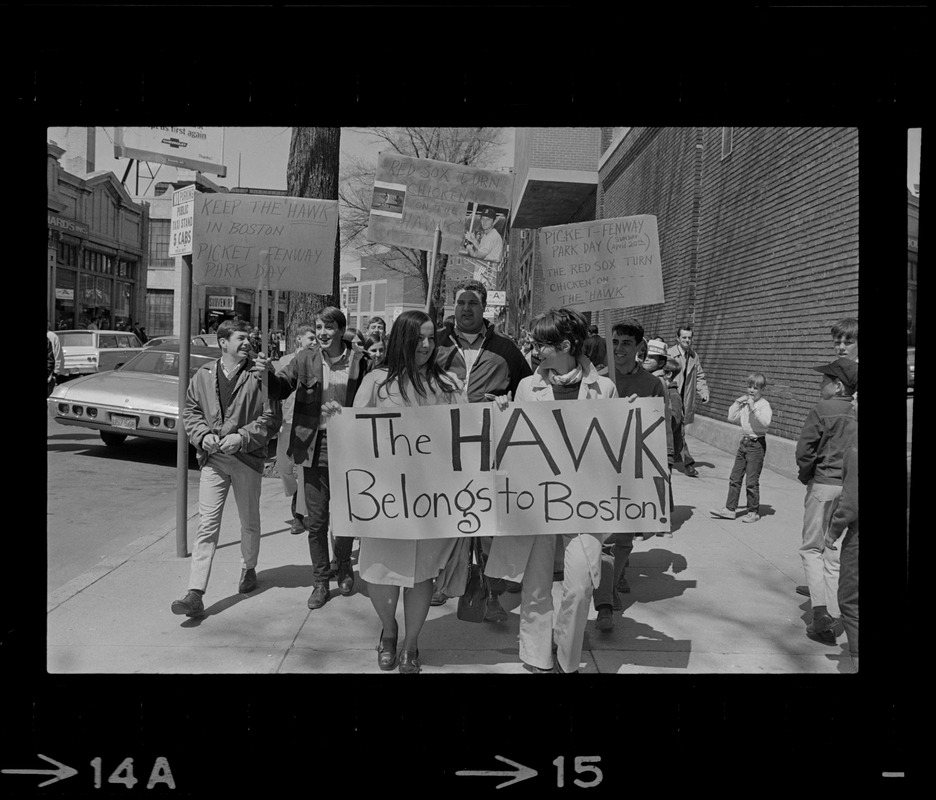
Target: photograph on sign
435, 194
485, 228
388, 199
608, 262
264, 241
195, 148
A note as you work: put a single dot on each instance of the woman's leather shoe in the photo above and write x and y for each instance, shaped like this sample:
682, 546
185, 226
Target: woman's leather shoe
386, 652
409, 662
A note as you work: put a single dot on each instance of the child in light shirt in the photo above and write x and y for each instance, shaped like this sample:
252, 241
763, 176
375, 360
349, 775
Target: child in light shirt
754, 414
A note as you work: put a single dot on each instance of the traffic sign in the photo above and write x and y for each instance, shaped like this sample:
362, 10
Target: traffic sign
182, 221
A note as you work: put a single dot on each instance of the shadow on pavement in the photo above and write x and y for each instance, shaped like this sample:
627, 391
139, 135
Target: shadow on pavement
680, 515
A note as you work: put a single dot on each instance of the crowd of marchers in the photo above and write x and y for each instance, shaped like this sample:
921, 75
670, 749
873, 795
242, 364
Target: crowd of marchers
230, 418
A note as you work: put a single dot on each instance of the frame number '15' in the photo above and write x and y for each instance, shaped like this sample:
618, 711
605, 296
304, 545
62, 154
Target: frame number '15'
583, 766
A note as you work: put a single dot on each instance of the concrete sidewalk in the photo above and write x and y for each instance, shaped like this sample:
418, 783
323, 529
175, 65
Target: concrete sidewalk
718, 596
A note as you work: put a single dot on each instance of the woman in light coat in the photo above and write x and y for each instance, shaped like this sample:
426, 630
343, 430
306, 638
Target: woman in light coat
563, 374
409, 377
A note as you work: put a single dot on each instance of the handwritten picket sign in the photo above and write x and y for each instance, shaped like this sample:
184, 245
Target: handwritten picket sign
413, 195
264, 241
534, 468
607, 263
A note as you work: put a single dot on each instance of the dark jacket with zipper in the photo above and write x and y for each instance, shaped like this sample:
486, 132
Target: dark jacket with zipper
498, 368
826, 436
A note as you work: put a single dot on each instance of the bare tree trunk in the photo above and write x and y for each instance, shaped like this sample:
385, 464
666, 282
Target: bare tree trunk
312, 172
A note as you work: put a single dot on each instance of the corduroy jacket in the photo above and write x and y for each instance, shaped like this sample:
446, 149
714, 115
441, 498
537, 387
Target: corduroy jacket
255, 421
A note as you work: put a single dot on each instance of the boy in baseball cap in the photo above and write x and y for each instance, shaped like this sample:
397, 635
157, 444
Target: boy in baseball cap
820, 452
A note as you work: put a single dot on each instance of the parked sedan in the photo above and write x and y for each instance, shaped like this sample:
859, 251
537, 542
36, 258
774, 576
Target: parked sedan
202, 340
86, 352
141, 398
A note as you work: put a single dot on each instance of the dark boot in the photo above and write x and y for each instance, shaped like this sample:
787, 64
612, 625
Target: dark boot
345, 578
319, 596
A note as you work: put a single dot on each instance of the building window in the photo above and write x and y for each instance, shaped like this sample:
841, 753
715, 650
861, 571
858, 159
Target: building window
159, 312
352, 296
727, 140
158, 247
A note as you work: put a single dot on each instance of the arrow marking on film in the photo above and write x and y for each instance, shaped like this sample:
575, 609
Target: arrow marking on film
61, 772
521, 774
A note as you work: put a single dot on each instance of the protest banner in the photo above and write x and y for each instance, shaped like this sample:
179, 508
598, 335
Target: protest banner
607, 263
273, 242
534, 468
412, 196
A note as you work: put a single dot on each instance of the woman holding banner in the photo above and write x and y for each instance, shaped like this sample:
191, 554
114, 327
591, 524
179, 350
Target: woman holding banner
564, 373
409, 377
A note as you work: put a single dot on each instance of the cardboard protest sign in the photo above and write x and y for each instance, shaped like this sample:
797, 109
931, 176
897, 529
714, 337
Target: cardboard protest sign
243, 239
535, 468
394, 473
413, 195
602, 264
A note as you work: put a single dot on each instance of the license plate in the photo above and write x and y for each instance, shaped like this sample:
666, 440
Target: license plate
123, 422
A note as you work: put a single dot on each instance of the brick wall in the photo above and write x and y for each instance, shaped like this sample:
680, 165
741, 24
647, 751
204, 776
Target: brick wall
759, 250
658, 171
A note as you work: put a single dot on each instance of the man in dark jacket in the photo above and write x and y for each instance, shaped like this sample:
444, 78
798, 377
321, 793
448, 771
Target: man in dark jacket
323, 378
826, 436
488, 364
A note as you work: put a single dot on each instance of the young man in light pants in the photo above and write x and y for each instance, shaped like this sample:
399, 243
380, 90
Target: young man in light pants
820, 452
229, 421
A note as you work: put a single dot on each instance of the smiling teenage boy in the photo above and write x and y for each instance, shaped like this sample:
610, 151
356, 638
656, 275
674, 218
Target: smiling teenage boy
228, 422
325, 380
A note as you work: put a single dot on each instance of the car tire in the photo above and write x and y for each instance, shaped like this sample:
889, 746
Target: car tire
113, 439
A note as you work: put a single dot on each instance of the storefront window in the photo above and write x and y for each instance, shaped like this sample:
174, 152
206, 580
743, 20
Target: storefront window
64, 299
94, 301
123, 303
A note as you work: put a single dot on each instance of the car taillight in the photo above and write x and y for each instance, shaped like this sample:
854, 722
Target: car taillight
92, 412
170, 423
154, 421
92, 359
63, 408
77, 411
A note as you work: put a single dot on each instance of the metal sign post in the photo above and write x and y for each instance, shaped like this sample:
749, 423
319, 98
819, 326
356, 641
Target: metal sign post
185, 344
180, 244
436, 238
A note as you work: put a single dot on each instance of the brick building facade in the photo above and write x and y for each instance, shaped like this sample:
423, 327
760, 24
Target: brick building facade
759, 245
758, 240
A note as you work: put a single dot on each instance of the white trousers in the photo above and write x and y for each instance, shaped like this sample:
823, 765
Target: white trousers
218, 475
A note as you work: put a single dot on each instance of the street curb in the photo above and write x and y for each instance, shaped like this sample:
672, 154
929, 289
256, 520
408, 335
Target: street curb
83, 581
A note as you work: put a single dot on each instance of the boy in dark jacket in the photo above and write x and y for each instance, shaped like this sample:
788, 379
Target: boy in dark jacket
845, 517
827, 434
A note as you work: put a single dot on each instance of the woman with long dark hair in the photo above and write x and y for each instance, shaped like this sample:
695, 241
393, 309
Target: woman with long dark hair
409, 377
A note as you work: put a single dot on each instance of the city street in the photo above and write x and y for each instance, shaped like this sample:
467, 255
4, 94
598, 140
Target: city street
102, 498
